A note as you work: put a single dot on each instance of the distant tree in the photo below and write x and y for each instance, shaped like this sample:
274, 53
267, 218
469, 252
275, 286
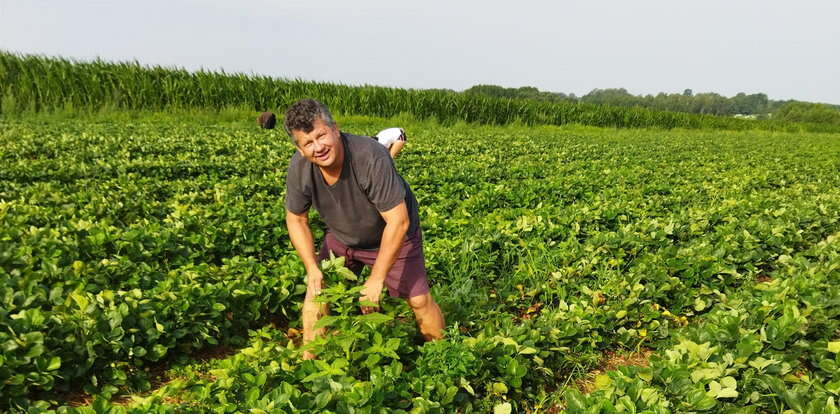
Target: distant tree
524, 92
611, 96
489, 90
702, 103
750, 104
808, 112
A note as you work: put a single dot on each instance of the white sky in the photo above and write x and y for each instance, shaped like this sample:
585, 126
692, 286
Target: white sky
786, 49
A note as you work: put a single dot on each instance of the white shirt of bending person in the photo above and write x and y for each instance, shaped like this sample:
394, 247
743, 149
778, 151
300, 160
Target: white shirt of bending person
388, 137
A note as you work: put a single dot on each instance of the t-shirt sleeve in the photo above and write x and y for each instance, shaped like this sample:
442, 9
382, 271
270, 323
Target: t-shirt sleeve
386, 189
298, 198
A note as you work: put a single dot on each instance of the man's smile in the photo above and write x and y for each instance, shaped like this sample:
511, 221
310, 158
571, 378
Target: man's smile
324, 156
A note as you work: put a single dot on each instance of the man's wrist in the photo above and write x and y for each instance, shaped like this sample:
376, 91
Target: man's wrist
313, 268
376, 278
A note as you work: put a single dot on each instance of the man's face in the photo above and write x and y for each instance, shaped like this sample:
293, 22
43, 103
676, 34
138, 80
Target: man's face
321, 146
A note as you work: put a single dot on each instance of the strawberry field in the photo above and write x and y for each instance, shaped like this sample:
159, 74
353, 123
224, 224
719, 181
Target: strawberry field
130, 248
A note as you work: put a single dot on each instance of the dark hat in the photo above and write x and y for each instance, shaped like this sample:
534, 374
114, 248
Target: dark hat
267, 120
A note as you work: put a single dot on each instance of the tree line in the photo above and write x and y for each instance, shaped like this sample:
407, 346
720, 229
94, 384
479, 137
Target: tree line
756, 105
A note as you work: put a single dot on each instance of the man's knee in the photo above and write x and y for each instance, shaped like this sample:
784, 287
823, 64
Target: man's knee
420, 301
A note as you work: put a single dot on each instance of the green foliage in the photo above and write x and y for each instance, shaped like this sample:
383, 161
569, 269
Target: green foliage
126, 243
763, 350
40, 84
808, 112
756, 106
525, 92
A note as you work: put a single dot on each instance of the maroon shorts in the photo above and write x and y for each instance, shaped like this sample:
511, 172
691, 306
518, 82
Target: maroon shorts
407, 277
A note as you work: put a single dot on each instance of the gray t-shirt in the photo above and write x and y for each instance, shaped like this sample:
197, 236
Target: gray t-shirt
368, 184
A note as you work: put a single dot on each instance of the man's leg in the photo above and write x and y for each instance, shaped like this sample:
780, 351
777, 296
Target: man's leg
407, 279
428, 315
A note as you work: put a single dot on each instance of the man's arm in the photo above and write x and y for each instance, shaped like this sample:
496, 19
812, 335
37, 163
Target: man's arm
396, 226
396, 147
301, 236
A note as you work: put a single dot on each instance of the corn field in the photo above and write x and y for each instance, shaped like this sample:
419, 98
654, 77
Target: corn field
42, 84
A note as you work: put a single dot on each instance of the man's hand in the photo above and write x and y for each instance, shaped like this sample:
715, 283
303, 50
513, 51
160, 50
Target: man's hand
371, 292
314, 283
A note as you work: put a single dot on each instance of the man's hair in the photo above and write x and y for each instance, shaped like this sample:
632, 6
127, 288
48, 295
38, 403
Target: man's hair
303, 113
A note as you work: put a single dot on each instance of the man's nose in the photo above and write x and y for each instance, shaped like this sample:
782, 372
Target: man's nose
317, 146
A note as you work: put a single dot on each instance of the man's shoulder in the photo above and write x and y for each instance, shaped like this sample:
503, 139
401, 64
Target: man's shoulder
358, 140
296, 161
298, 165
365, 149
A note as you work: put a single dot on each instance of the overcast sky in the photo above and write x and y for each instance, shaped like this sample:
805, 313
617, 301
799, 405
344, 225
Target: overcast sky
786, 49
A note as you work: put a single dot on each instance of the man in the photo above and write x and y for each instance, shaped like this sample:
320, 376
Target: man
370, 213
393, 139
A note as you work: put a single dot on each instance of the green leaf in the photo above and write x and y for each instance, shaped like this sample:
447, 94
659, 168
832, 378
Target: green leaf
252, 395
345, 273
466, 385
705, 373
760, 363
828, 365
503, 408
714, 389
326, 321
55, 363
725, 389
322, 399
727, 393
158, 351
575, 401
646, 374
35, 351
449, 395
375, 318
834, 347
602, 382
16, 379
728, 382
527, 351
81, 300
499, 388
649, 396
627, 404
699, 400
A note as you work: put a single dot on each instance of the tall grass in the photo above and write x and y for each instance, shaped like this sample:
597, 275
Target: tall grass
37, 84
